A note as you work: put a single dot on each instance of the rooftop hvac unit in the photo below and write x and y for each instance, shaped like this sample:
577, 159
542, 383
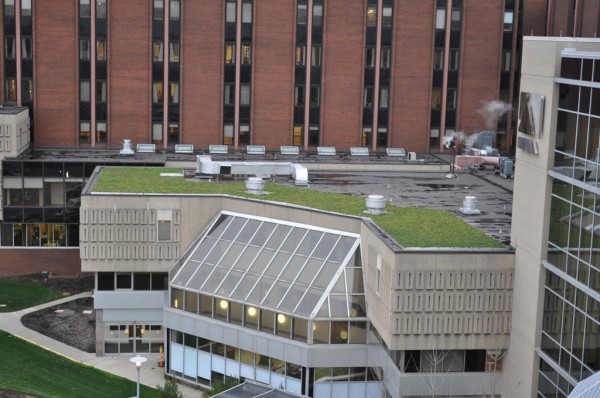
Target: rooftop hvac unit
506, 167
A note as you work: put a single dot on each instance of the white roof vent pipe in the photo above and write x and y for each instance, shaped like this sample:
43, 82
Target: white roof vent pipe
375, 204
470, 206
127, 149
255, 186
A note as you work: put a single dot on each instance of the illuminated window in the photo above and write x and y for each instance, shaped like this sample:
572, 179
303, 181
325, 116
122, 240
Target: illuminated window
371, 16
84, 132
174, 92
300, 55
101, 136
157, 92
101, 50
174, 51
436, 98
157, 51
228, 134
298, 134
246, 53
229, 53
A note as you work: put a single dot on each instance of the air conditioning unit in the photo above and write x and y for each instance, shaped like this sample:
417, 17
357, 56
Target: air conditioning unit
412, 156
506, 167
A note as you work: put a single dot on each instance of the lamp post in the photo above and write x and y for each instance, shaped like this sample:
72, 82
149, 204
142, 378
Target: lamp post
138, 360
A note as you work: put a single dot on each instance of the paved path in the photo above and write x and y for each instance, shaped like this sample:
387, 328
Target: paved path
150, 374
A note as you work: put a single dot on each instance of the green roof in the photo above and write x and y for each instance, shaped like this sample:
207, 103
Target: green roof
409, 226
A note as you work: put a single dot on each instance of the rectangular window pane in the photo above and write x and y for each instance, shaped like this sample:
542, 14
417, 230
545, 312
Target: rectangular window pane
158, 10
316, 56
11, 89
301, 14
383, 97
84, 8
157, 132
368, 97
100, 91
174, 93
508, 21
246, 12
157, 51
455, 23
436, 98
164, 230
174, 51
26, 52
9, 47
299, 95
300, 55
230, 12
9, 8
101, 50
101, 9
27, 89
84, 91
229, 94
230, 53
451, 100
25, 8
386, 57
84, 132
314, 95
369, 57
246, 53
440, 19
101, 135
174, 10
386, 21
453, 61
244, 94
438, 58
84, 49
228, 134
317, 15
371, 16
157, 92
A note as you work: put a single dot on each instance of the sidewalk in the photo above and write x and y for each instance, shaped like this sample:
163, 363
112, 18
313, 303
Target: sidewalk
150, 374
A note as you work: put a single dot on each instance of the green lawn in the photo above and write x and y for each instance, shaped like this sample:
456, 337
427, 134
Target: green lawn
19, 294
410, 226
33, 370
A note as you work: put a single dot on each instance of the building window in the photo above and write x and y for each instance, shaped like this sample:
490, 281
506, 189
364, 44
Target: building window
246, 53
455, 22
124, 280
157, 51
25, 8
370, 57
314, 95
101, 50
158, 10
228, 134
9, 8
163, 225
157, 133
317, 15
229, 53
300, 55
299, 96
368, 97
174, 10
27, 89
10, 52
371, 16
436, 98
84, 132
84, 49
506, 61
386, 20
26, 50
100, 91
316, 55
101, 9
230, 7
246, 12
378, 275
174, 93
302, 14
84, 91
101, 136
451, 100
157, 92
173, 133
438, 58
229, 94
297, 135
245, 94
384, 94
84, 8
244, 134
174, 51
440, 19
386, 58
508, 21
453, 60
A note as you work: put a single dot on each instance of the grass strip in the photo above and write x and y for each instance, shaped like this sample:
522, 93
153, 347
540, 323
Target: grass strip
18, 294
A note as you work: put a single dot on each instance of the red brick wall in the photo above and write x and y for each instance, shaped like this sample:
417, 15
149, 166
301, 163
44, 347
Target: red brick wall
60, 262
343, 60
56, 82
590, 18
411, 75
201, 77
129, 71
562, 17
273, 87
479, 81
534, 17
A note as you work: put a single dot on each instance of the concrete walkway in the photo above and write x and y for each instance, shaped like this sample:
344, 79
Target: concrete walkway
150, 374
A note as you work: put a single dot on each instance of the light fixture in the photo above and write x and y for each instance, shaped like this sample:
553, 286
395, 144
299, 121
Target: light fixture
251, 311
314, 326
138, 360
223, 304
176, 303
344, 334
281, 318
353, 312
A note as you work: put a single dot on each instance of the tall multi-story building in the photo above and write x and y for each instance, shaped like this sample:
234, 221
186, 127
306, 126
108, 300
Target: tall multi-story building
555, 336
372, 73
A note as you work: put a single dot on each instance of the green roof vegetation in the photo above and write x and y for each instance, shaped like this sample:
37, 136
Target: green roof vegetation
409, 226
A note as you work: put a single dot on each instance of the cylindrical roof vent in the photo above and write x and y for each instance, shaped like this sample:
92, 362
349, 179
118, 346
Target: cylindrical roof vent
255, 185
375, 204
469, 205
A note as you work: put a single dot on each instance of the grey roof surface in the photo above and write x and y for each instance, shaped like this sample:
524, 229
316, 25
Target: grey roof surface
251, 390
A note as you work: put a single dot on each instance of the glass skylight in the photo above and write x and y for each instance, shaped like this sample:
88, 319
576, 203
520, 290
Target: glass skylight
292, 268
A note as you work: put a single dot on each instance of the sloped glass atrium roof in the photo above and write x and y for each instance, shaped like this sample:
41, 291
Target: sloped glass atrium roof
292, 268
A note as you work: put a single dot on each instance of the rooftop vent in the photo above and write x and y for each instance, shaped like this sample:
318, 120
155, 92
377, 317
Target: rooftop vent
127, 150
469, 206
255, 186
375, 204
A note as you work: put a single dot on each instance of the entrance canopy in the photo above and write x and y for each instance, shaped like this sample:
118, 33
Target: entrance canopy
292, 268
